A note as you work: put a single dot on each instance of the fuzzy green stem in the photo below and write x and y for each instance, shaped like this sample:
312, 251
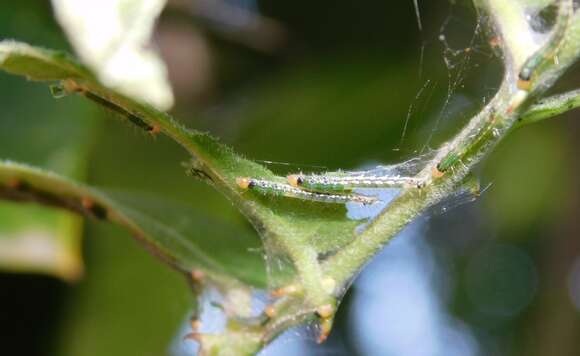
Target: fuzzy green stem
549, 107
460, 155
470, 146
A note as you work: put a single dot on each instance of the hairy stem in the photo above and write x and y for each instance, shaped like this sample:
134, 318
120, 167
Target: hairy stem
467, 149
512, 106
549, 107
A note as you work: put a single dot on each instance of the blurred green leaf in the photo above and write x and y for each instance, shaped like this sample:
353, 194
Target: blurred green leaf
132, 302
36, 240
298, 235
535, 156
319, 104
33, 239
292, 229
186, 244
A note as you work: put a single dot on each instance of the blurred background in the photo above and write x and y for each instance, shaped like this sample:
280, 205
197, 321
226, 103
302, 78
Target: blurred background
306, 86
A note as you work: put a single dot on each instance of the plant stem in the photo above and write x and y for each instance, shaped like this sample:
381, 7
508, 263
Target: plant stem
475, 140
469, 147
549, 107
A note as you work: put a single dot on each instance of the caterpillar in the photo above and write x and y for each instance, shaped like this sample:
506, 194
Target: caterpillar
267, 187
353, 180
565, 11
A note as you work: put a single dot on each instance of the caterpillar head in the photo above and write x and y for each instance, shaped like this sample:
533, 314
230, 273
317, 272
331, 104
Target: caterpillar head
295, 180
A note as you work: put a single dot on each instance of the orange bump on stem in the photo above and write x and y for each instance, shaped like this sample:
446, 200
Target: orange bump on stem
197, 275
325, 328
87, 203
270, 311
277, 293
325, 311
287, 290
14, 183
195, 324
155, 129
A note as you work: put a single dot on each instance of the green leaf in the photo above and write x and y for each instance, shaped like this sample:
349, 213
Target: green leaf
128, 298
36, 240
537, 198
32, 239
38, 64
295, 230
190, 245
297, 235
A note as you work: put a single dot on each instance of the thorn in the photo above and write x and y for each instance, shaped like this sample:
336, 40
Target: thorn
195, 324
270, 311
291, 289
95, 209
155, 129
87, 203
197, 275
326, 314
326, 311
15, 183
325, 328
